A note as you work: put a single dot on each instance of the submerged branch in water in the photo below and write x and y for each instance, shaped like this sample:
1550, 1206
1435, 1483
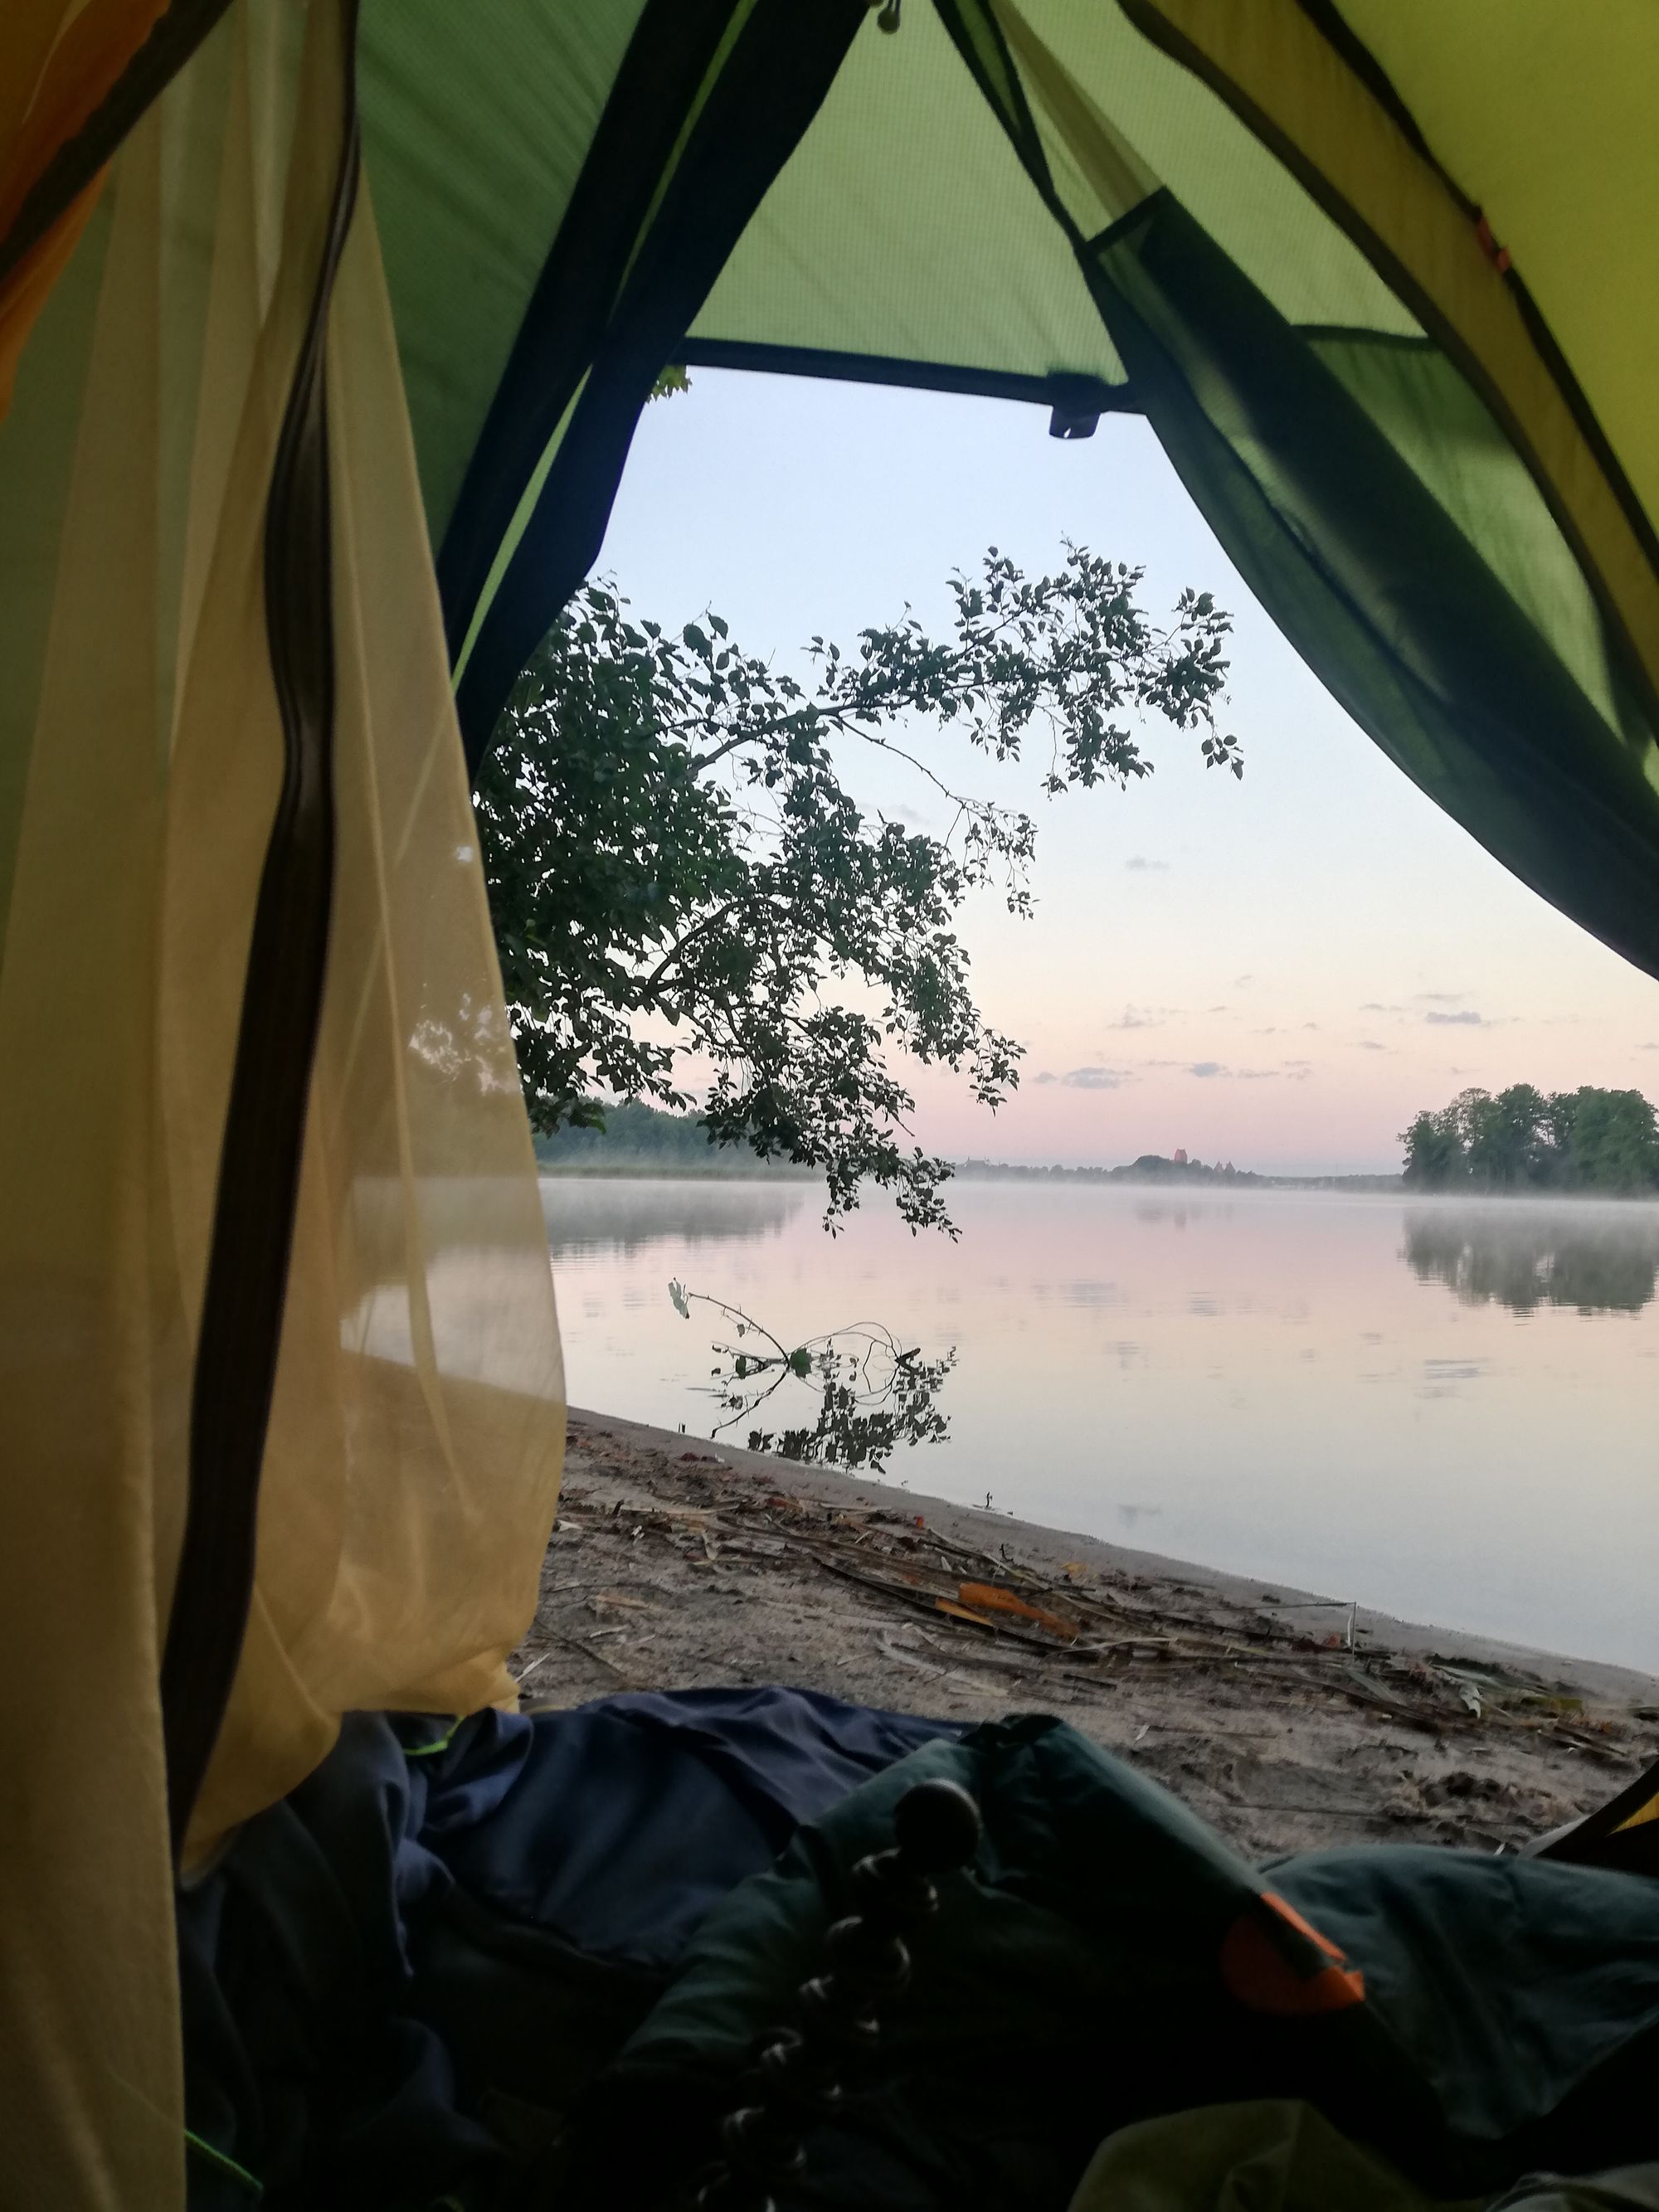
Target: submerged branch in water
874, 1395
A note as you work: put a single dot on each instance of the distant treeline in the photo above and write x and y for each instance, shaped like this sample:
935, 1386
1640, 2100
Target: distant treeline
638, 1139
1527, 1139
1151, 1167
643, 1140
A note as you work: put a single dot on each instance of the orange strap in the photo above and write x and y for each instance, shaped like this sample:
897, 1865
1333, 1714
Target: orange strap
1275, 1961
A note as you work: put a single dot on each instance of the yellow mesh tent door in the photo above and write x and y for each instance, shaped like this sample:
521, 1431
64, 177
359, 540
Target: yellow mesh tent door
417, 1424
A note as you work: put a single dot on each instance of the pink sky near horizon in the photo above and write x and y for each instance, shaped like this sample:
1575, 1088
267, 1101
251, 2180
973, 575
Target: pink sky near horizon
1278, 971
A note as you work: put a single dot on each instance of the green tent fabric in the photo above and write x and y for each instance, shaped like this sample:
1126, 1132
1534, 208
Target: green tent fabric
1361, 555
1363, 397
1447, 215
1281, 2156
1275, 2156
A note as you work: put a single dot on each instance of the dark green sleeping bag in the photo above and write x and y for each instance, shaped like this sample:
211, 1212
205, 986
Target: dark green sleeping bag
1108, 1958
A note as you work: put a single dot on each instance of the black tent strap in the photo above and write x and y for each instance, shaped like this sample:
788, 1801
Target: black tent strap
772, 82
173, 37
1062, 388
281, 1009
674, 45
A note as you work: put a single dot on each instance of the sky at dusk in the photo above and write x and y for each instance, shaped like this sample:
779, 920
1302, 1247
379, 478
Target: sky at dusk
1278, 971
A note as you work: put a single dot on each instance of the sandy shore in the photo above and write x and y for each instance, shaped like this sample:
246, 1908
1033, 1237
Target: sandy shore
676, 1563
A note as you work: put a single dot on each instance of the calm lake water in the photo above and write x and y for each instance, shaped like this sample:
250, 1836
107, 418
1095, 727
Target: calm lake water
1445, 1409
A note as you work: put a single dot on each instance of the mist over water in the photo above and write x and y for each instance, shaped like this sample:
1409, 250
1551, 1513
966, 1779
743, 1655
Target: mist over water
1444, 1408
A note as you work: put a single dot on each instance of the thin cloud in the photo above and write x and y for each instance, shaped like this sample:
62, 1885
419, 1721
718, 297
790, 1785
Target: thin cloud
1095, 1079
1438, 998
1377, 1006
1227, 1010
1140, 1018
1648, 1047
1370, 1044
1138, 865
1310, 1025
1239, 981
1046, 1077
1467, 1019
1206, 1069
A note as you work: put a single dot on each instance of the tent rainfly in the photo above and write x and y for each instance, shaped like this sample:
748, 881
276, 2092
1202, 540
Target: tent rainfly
323, 331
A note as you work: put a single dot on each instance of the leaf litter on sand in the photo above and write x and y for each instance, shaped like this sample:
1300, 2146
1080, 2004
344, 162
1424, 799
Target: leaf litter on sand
759, 1571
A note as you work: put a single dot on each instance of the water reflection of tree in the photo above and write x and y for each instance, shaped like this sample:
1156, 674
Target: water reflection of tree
874, 1397
1527, 1262
627, 1214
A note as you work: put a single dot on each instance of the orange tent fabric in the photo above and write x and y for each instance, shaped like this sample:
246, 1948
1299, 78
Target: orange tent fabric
58, 62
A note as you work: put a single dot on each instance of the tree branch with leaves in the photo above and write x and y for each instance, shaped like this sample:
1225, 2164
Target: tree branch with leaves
692, 908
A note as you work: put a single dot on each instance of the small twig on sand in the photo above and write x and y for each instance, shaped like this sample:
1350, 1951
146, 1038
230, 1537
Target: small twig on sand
579, 1644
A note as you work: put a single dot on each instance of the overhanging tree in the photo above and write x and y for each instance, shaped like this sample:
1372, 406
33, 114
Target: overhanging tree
687, 895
